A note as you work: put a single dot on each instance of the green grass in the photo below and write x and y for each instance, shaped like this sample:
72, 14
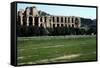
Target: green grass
31, 50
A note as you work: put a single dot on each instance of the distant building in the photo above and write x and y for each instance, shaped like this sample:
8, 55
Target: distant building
31, 16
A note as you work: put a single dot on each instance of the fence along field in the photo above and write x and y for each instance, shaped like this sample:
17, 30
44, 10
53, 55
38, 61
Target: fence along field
51, 49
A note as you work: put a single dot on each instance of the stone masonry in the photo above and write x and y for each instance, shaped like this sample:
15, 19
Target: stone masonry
30, 16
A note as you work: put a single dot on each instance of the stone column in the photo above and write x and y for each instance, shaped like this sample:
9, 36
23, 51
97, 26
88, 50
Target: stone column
51, 23
20, 14
59, 21
67, 21
43, 22
55, 21
70, 21
27, 21
74, 21
42, 19
47, 22
33, 21
21, 19
39, 21
64, 21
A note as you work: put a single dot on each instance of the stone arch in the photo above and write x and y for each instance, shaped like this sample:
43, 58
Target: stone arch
36, 21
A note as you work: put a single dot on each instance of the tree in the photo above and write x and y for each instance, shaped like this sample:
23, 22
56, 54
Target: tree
24, 30
30, 30
77, 31
36, 31
91, 31
50, 31
43, 31
82, 31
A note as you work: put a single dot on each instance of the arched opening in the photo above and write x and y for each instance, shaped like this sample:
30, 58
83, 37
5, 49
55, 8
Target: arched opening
24, 20
57, 19
53, 25
30, 20
41, 25
53, 19
72, 20
41, 19
72, 25
62, 25
68, 19
61, 19
69, 26
57, 25
65, 20
36, 21
65, 25
45, 19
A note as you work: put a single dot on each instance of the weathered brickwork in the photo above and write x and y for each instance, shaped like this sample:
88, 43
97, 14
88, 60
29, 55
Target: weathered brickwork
30, 16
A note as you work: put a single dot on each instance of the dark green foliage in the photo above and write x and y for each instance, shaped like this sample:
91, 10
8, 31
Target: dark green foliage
42, 30
50, 31
24, 30
30, 30
87, 22
56, 31
91, 31
82, 31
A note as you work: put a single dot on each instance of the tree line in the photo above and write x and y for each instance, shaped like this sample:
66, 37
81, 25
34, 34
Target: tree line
23, 30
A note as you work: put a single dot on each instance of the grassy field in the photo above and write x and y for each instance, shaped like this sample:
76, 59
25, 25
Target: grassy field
51, 49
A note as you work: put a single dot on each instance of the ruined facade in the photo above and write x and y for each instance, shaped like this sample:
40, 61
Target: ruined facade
30, 16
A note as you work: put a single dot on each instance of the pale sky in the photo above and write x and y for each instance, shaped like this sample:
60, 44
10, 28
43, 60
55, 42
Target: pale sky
86, 12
